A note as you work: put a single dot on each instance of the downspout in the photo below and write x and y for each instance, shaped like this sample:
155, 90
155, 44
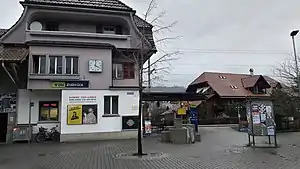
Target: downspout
7, 72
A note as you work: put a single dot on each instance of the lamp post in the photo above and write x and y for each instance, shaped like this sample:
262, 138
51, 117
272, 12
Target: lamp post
293, 34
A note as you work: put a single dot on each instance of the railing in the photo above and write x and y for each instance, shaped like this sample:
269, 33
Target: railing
231, 120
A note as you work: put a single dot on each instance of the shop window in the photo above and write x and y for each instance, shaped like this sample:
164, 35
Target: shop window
111, 105
55, 64
71, 65
48, 111
39, 64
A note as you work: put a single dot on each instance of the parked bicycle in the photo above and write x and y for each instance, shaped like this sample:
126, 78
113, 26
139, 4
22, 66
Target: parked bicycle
45, 135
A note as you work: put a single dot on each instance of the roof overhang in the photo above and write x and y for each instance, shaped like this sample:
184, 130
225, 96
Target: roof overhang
13, 53
167, 96
244, 97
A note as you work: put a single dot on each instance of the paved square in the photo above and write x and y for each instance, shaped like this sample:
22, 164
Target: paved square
220, 148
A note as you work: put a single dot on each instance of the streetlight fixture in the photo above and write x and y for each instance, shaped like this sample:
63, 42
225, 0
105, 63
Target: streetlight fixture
293, 34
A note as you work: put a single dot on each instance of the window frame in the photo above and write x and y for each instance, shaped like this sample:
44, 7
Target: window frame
129, 73
39, 64
115, 71
72, 65
108, 31
56, 64
130, 70
49, 102
47, 66
111, 113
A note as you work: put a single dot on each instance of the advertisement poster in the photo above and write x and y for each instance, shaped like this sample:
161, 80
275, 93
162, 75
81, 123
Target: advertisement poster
256, 119
82, 114
181, 111
130, 122
148, 127
271, 131
74, 114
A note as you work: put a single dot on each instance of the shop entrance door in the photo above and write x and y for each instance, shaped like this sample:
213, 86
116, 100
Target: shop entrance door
3, 127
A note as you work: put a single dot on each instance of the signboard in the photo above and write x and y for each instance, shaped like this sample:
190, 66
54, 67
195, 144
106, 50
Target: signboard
260, 117
130, 122
70, 84
181, 111
82, 99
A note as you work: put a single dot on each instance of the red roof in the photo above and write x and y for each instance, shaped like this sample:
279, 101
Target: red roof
231, 85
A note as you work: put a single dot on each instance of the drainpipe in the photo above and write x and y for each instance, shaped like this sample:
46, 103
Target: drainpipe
7, 72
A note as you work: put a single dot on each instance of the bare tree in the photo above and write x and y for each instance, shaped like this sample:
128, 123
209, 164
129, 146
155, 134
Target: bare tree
287, 71
156, 69
157, 66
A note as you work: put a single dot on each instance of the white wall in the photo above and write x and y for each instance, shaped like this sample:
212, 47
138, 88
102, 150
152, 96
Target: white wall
24, 97
127, 107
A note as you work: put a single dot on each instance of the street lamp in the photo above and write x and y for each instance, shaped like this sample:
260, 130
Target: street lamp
293, 34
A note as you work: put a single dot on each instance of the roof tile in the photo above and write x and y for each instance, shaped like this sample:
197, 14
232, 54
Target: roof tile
250, 81
105, 4
223, 85
13, 53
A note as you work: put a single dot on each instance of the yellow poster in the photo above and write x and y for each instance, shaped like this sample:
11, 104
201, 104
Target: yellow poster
181, 111
74, 114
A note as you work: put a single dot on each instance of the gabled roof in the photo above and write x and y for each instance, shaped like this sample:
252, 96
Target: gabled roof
229, 84
101, 4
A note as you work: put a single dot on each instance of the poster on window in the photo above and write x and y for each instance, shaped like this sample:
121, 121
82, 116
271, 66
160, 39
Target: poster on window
82, 114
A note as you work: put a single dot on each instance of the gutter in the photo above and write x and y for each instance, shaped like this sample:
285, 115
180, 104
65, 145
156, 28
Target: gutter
7, 72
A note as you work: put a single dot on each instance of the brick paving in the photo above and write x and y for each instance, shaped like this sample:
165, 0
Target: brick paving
220, 148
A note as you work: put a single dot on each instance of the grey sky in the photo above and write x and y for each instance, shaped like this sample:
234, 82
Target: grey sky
217, 35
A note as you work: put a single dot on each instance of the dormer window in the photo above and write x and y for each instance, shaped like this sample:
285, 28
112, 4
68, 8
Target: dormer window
222, 77
233, 87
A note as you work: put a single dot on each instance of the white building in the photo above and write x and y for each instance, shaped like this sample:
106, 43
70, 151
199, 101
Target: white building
80, 76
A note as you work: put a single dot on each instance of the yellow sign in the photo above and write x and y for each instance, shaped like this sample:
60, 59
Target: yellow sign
58, 85
181, 111
74, 114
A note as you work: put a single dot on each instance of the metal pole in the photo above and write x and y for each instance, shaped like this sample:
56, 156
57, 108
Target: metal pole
252, 127
149, 75
296, 64
275, 140
238, 107
29, 123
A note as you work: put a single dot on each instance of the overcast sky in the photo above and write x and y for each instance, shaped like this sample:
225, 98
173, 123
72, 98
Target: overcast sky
217, 35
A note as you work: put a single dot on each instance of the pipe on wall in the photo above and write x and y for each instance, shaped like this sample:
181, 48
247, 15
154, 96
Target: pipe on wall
7, 72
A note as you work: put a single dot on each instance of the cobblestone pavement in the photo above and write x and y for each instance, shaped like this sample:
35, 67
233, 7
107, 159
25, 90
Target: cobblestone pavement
220, 148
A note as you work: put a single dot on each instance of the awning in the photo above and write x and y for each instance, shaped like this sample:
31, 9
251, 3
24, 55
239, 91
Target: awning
167, 96
13, 54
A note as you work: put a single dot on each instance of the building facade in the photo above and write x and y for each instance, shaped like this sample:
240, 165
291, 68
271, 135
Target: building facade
81, 67
225, 90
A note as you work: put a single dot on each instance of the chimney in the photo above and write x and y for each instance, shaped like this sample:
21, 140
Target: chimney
251, 71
